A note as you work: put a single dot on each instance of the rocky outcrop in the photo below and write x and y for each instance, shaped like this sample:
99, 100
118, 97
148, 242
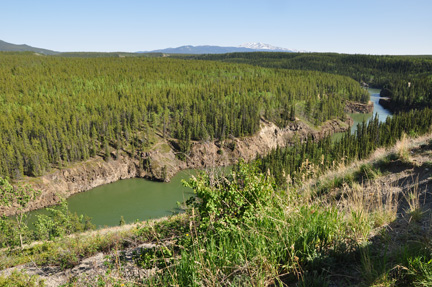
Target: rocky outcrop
80, 177
387, 103
205, 154
386, 93
356, 107
160, 163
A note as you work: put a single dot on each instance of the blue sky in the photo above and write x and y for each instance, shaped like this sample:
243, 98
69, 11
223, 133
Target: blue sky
350, 26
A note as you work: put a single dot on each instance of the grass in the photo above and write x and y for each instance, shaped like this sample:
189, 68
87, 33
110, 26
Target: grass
420, 268
68, 251
20, 279
414, 210
367, 172
243, 231
402, 150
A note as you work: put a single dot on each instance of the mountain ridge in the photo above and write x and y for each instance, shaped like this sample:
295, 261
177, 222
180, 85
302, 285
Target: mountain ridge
9, 47
186, 49
212, 49
261, 46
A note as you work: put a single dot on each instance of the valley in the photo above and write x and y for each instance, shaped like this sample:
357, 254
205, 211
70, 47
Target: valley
144, 199
310, 153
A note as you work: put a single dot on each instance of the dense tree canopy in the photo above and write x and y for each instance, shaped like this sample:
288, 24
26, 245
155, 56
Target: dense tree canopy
408, 78
55, 110
303, 159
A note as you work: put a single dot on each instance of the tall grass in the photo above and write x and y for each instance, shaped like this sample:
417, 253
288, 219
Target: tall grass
402, 149
274, 239
243, 230
413, 200
284, 237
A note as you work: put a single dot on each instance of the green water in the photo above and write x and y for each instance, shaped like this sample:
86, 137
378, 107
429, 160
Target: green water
143, 199
359, 118
133, 199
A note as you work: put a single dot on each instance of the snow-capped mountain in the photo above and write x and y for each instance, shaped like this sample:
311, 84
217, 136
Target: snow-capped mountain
249, 47
265, 47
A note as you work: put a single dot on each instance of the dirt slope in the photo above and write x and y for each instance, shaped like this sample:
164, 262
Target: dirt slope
163, 161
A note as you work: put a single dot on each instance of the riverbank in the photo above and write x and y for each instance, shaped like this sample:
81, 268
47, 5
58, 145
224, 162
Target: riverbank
354, 240
355, 107
388, 103
162, 163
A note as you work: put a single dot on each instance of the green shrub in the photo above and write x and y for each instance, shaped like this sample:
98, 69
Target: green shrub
221, 202
20, 279
60, 222
368, 172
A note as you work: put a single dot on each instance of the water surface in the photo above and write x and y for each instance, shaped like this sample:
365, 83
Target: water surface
359, 118
141, 199
134, 199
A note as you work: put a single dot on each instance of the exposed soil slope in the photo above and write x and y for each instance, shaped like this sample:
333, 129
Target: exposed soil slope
163, 161
399, 178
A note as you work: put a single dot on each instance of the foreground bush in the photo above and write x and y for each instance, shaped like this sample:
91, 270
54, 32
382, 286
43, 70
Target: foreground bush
244, 231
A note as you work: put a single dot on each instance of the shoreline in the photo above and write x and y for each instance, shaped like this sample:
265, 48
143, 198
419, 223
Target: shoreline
79, 177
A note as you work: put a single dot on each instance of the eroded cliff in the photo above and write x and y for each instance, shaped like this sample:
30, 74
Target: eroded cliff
161, 163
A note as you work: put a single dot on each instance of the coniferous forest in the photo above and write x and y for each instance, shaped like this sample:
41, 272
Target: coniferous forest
405, 79
303, 160
318, 212
57, 110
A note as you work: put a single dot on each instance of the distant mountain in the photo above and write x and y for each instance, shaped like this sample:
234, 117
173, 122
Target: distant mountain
8, 47
265, 47
249, 47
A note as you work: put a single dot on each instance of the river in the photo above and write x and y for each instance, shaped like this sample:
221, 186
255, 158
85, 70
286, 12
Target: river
141, 199
359, 118
134, 199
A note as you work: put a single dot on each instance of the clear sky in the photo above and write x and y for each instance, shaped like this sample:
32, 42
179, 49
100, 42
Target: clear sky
344, 26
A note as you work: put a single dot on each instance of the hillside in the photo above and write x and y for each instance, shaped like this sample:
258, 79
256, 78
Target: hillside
371, 227
306, 210
8, 47
61, 183
208, 49
86, 107
406, 80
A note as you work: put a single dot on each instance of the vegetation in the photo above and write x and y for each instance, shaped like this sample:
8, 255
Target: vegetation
243, 229
21, 196
20, 279
57, 110
15, 231
284, 237
289, 218
302, 161
407, 80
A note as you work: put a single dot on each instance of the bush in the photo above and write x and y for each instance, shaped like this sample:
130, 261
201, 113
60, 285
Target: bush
368, 172
221, 202
60, 222
20, 279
